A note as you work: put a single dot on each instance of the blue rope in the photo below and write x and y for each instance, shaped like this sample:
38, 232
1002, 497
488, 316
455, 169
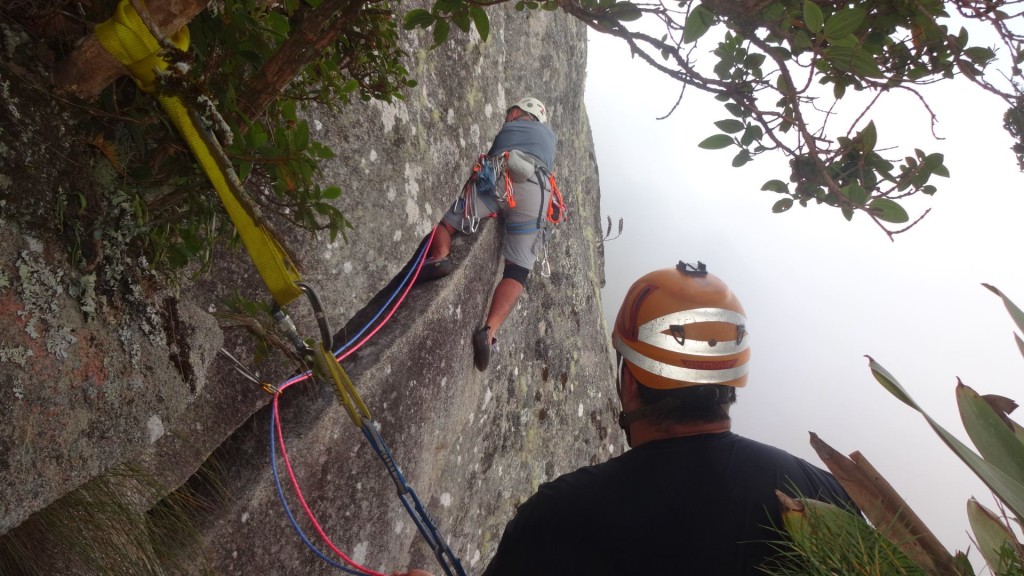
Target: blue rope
288, 511
401, 285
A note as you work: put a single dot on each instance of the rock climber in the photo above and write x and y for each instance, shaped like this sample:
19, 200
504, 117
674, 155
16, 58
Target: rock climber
519, 160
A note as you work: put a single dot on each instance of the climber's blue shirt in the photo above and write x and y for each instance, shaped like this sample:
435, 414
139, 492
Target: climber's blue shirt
528, 136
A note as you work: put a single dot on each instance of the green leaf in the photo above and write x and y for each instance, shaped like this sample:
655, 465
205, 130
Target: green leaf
855, 193
716, 142
992, 535
979, 55
244, 168
843, 23
625, 12
278, 24
1015, 312
740, 159
440, 32
990, 435
776, 186
698, 22
813, 17
300, 139
888, 211
418, 18
752, 133
481, 21
331, 193
847, 212
729, 126
1007, 489
735, 109
868, 137
782, 205
350, 86
865, 65
781, 85
288, 110
774, 11
461, 20
849, 41
754, 60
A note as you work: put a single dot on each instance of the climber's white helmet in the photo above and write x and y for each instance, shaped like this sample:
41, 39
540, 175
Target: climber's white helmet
533, 107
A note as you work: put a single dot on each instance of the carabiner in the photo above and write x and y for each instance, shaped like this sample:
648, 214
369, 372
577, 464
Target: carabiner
326, 336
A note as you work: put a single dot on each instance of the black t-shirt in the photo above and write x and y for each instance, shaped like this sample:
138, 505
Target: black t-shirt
698, 505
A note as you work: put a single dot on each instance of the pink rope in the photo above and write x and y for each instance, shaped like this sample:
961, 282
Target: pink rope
280, 433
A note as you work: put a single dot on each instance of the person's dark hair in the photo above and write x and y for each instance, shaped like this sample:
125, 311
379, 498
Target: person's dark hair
706, 403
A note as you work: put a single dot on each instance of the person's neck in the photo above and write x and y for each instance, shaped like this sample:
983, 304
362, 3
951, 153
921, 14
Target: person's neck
643, 431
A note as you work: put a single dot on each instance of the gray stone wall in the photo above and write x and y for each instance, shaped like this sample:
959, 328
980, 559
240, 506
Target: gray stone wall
95, 378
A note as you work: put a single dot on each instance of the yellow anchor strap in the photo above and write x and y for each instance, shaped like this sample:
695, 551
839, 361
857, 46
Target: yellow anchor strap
130, 41
347, 394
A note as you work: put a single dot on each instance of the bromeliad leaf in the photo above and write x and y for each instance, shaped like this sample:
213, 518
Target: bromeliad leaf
994, 440
1016, 313
992, 535
1008, 489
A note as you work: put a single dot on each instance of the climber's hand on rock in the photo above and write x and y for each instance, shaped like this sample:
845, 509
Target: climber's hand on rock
413, 572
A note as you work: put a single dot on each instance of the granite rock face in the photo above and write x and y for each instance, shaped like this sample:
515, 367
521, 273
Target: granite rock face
98, 374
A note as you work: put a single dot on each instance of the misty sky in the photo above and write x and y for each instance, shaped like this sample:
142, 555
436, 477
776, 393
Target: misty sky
821, 292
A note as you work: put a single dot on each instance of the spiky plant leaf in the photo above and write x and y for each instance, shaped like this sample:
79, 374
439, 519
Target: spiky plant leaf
1016, 313
1006, 488
996, 542
990, 434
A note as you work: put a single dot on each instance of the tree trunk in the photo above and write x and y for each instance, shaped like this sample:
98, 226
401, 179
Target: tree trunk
317, 29
90, 68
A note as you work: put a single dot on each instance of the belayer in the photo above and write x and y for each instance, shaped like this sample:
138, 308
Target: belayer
690, 496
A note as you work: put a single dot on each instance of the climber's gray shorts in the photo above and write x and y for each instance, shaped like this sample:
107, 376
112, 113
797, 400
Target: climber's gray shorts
525, 225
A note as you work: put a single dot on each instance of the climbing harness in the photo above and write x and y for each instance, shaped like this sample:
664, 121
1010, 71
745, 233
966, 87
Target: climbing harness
126, 36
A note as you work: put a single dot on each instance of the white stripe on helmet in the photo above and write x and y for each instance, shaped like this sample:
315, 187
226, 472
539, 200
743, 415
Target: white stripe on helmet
653, 332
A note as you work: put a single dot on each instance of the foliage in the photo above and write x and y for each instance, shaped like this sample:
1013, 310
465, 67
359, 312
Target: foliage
781, 69
271, 148
824, 539
103, 526
998, 462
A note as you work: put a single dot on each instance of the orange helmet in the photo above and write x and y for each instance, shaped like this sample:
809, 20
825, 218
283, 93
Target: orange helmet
681, 327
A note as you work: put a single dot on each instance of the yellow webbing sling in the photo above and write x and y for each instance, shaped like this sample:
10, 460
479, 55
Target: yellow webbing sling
127, 38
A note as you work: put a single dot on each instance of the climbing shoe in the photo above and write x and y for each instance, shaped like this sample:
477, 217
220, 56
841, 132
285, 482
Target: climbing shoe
434, 269
482, 348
